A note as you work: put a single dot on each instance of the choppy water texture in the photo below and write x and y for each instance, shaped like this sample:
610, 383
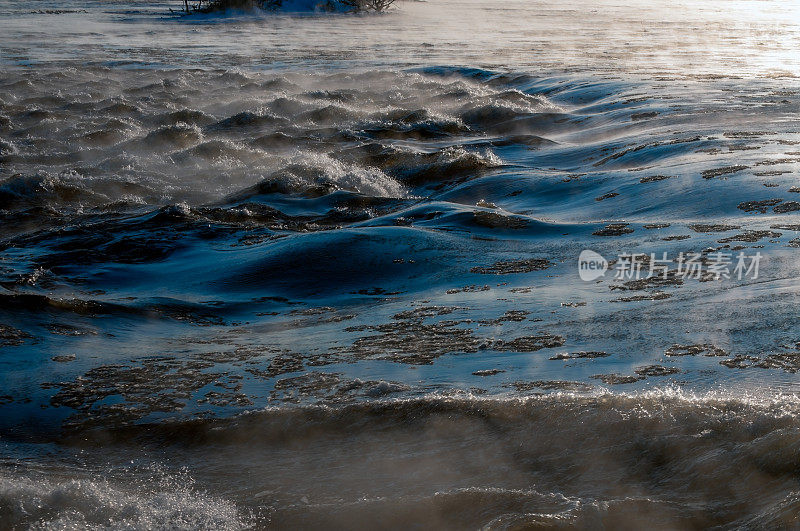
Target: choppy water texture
271, 271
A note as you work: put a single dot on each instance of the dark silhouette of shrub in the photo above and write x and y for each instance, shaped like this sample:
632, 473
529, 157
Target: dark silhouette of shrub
367, 5
211, 6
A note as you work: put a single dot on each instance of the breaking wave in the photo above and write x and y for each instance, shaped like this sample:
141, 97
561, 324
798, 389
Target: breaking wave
662, 458
49, 502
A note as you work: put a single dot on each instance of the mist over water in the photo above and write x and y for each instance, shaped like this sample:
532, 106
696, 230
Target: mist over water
604, 37
303, 269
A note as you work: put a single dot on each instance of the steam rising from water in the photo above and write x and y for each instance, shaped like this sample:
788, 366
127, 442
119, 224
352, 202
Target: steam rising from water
717, 37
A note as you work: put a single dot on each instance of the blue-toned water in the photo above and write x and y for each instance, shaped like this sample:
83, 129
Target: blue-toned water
319, 270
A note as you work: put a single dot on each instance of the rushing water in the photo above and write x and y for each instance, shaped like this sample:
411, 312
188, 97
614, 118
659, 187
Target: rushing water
300, 269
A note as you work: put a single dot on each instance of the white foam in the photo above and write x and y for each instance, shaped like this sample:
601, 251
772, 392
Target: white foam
50, 503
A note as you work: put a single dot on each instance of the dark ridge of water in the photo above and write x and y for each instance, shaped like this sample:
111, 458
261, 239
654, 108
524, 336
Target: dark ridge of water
662, 459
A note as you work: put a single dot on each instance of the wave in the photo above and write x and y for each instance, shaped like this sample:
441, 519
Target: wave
173, 136
663, 459
36, 501
43, 189
320, 175
187, 116
69, 192
248, 120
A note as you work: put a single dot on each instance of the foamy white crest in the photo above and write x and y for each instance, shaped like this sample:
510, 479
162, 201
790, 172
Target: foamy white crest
8, 148
368, 181
482, 157
41, 503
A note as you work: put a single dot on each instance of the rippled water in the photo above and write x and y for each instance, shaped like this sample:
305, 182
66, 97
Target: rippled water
307, 269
